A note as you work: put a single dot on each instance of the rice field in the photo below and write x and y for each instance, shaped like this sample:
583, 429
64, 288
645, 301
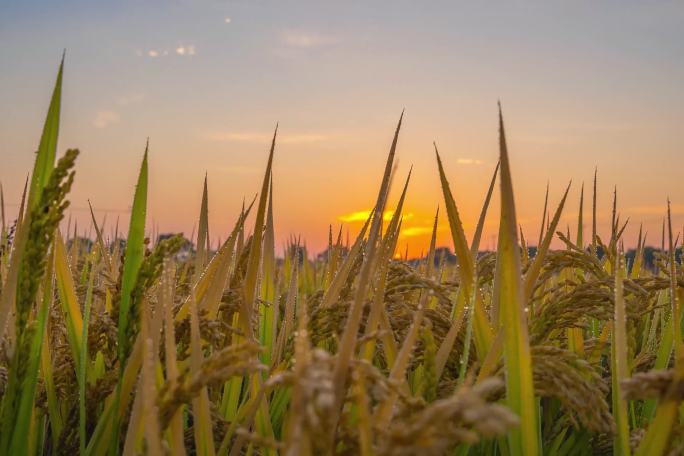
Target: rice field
134, 345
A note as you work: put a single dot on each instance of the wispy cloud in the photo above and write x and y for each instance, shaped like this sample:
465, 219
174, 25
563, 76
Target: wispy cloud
253, 137
468, 161
185, 50
105, 118
307, 39
416, 231
358, 216
182, 50
362, 216
130, 99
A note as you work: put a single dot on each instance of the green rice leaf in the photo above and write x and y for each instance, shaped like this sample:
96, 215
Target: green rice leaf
510, 299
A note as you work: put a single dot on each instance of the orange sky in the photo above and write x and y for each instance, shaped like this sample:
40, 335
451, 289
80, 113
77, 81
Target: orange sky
581, 86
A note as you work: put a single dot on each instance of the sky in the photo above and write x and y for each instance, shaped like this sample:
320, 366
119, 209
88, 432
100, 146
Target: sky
582, 84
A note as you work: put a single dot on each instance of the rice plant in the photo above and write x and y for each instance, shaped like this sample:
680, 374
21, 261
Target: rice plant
144, 345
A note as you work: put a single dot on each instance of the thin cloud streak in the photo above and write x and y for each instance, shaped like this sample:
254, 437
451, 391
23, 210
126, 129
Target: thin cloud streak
182, 50
251, 137
105, 118
126, 100
416, 231
362, 216
469, 161
185, 50
307, 40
